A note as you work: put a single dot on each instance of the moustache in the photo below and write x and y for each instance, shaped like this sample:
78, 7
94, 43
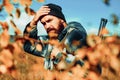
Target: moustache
50, 29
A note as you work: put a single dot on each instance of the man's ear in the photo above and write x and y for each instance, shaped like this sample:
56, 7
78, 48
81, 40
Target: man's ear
62, 21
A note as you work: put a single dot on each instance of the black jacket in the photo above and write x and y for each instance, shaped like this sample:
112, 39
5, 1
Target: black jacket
73, 32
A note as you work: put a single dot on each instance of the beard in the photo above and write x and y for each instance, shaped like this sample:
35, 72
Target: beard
53, 32
53, 35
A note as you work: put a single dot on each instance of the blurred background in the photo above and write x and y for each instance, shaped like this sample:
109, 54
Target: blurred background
16, 64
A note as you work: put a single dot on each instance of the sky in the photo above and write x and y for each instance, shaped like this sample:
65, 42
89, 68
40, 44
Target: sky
87, 12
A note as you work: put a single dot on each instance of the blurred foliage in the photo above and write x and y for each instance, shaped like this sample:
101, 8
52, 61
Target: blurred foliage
115, 19
107, 2
15, 64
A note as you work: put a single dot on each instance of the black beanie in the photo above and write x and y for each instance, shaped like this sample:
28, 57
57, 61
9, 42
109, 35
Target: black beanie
55, 10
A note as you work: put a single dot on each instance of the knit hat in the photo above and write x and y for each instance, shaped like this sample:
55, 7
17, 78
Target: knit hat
55, 10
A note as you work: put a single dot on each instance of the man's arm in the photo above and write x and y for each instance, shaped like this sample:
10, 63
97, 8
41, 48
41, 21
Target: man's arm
74, 37
31, 29
30, 34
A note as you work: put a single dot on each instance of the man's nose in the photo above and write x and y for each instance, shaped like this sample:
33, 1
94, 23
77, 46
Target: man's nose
48, 25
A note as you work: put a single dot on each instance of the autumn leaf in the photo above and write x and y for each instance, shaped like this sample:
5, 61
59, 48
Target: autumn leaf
29, 11
11, 15
4, 25
111, 39
80, 53
3, 69
8, 6
1, 7
115, 63
25, 2
93, 40
4, 36
18, 13
41, 0
6, 57
4, 39
17, 31
15, 0
104, 31
107, 2
115, 19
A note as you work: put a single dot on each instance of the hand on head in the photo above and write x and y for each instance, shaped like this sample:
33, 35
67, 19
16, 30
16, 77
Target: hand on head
44, 10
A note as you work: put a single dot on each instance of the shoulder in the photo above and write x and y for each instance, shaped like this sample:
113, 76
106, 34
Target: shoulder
76, 25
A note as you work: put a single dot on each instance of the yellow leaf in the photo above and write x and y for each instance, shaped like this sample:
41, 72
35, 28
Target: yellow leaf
25, 2
41, 0
18, 13
8, 6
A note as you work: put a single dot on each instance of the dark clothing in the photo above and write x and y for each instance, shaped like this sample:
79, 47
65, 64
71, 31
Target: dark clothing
73, 32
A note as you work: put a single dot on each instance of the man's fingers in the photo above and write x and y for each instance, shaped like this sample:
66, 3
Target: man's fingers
44, 10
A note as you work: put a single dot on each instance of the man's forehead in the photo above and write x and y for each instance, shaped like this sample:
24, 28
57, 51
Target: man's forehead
47, 17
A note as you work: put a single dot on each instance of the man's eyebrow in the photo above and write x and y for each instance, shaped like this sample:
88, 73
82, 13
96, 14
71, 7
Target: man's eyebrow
48, 20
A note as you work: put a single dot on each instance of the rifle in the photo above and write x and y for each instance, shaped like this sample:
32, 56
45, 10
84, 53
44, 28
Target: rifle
103, 23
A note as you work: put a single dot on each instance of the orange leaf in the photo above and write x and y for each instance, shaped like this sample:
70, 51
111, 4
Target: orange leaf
3, 69
18, 13
17, 31
41, 0
4, 25
7, 58
15, 0
4, 38
29, 11
104, 31
25, 2
8, 6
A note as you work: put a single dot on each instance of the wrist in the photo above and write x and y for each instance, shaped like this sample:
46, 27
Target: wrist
35, 20
33, 23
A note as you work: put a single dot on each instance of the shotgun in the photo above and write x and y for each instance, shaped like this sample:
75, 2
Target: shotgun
103, 23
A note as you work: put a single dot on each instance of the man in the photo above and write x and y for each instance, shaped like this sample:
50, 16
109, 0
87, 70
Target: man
61, 39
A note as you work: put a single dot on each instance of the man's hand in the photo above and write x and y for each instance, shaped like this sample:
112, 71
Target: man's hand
54, 52
44, 10
58, 47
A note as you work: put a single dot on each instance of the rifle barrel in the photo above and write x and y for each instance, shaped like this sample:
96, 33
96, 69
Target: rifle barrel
103, 23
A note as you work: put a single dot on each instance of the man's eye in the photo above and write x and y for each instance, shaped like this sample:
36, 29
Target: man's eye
43, 23
48, 20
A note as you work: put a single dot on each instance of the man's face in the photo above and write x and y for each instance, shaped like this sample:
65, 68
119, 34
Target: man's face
53, 25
